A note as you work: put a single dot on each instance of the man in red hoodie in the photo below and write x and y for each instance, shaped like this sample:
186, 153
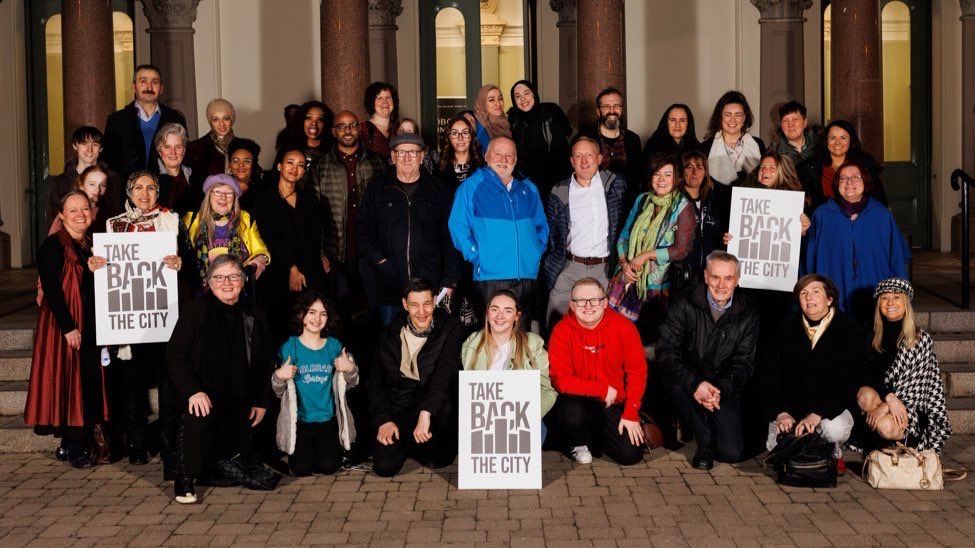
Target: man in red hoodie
598, 367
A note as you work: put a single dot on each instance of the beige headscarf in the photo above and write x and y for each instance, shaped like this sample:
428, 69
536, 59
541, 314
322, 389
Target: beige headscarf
496, 126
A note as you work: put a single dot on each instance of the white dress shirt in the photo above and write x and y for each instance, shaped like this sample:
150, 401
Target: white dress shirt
588, 219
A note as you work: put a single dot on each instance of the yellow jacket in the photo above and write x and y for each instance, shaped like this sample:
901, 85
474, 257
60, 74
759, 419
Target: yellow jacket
246, 227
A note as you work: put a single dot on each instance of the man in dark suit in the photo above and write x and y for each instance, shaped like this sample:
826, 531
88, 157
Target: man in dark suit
129, 132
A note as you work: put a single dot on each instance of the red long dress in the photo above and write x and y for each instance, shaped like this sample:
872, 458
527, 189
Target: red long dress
64, 391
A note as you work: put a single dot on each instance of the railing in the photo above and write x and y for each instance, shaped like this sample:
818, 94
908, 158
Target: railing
961, 181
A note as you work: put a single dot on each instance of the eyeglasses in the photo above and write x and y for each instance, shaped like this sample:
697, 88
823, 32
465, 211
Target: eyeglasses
232, 278
222, 194
465, 133
593, 302
614, 106
851, 180
345, 127
407, 153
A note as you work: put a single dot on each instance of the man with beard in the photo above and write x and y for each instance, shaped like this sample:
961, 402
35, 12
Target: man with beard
619, 146
129, 133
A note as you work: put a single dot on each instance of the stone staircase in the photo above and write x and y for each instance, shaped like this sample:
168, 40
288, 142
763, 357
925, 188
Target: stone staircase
953, 332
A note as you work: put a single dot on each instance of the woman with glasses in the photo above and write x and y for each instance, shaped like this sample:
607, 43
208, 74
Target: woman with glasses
245, 169
460, 151
139, 366
840, 143
381, 102
854, 240
220, 227
732, 152
659, 230
290, 218
541, 132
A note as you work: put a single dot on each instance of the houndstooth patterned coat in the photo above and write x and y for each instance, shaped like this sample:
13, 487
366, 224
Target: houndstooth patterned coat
915, 378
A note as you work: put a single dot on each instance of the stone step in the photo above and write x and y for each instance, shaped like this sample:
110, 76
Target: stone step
18, 338
953, 321
959, 379
15, 365
961, 415
13, 396
954, 347
16, 437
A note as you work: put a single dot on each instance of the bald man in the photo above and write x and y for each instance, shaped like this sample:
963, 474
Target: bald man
498, 224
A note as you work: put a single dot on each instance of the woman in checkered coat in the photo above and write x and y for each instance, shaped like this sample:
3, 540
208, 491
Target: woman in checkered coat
903, 397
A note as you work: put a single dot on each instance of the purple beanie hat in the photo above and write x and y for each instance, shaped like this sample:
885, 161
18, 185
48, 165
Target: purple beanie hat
221, 179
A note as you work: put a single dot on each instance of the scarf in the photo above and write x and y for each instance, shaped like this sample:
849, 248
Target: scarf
496, 126
723, 167
851, 209
646, 231
815, 332
411, 342
222, 143
138, 217
202, 246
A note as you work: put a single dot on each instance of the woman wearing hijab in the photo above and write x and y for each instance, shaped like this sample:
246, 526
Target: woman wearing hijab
209, 154
541, 133
489, 112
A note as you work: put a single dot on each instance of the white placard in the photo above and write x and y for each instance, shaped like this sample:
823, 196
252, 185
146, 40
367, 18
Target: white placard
136, 299
766, 236
500, 430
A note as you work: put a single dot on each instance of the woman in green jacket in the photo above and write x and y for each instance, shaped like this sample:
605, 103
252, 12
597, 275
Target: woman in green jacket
504, 345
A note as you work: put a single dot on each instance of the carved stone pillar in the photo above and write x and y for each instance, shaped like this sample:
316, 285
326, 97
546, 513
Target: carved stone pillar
382, 39
968, 85
568, 57
857, 87
345, 54
88, 71
782, 67
171, 49
601, 53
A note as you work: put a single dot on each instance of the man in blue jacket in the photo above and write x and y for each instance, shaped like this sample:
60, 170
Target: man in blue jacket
499, 226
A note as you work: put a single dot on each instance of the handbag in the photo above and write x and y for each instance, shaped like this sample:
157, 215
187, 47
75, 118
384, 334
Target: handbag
903, 467
804, 461
101, 451
680, 276
622, 297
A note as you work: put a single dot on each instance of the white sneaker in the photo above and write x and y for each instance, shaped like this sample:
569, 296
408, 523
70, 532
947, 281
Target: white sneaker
581, 454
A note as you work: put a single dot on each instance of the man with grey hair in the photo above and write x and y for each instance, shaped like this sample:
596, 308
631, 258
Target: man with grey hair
499, 226
129, 132
707, 353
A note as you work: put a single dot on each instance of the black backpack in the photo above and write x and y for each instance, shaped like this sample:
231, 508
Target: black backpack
804, 461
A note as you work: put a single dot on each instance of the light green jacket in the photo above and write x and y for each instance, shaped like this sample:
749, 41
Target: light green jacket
538, 359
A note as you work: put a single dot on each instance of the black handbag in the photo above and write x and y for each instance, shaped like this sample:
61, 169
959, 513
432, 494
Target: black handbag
804, 461
680, 275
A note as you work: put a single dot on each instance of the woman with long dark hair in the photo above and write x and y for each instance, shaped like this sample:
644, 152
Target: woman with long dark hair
675, 134
732, 152
711, 208
840, 144
460, 151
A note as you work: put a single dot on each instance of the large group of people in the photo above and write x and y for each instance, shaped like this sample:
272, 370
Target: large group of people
328, 303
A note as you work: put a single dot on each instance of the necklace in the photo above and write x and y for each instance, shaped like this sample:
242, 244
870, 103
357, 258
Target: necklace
294, 189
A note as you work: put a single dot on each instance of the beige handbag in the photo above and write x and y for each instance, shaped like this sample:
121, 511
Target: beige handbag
901, 467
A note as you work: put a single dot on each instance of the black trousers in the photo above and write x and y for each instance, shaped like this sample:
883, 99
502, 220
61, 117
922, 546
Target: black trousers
587, 421
221, 434
317, 448
523, 289
719, 430
439, 451
146, 368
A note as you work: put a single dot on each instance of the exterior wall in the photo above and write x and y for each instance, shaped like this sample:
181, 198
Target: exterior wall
945, 119
15, 176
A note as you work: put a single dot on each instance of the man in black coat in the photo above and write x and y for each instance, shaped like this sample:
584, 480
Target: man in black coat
129, 132
413, 385
402, 228
707, 351
621, 148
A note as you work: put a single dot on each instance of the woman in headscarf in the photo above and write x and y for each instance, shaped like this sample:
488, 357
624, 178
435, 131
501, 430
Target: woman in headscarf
209, 155
659, 230
489, 112
541, 133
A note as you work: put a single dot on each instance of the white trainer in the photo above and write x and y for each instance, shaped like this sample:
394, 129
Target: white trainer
581, 454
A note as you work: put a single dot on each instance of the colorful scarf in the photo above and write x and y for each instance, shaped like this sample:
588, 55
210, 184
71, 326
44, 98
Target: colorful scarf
202, 245
496, 126
646, 231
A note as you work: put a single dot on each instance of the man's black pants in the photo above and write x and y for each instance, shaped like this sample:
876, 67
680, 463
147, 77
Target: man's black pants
587, 421
719, 430
439, 451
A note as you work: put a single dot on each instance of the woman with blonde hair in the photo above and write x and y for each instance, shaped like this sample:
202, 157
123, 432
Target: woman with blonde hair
903, 397
503, 344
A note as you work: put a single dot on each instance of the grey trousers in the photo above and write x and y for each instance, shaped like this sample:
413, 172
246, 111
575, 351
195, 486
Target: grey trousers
558, 298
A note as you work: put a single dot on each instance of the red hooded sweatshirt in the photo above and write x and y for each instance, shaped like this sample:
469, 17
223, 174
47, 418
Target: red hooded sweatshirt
586, 362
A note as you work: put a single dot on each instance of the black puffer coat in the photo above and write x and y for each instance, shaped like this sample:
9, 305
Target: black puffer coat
694, 348
391, 394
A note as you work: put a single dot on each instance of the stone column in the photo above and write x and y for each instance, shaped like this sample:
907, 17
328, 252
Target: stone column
968, 85
88, 65
345, 54
782, 67
568, 57
171, 49
857, 87
601, 53
382, 39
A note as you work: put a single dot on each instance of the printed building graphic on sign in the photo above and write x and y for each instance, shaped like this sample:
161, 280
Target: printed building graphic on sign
138, 298
503, 437
763, 248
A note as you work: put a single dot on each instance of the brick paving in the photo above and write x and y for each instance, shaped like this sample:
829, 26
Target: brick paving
661, 502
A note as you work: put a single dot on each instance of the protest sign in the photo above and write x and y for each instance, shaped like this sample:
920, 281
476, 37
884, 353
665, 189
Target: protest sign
500, 430
136, 299
766, 236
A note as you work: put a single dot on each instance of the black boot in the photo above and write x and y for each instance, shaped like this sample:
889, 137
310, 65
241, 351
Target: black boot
135, 421
185, 490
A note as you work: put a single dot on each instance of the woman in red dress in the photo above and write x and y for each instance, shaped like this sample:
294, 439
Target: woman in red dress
66, 394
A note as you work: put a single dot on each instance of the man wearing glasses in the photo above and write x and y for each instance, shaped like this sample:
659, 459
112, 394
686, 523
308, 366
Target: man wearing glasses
402, 228
597, 365
621, 150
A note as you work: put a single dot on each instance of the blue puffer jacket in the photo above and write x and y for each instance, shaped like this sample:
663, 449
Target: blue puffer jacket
502, 233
